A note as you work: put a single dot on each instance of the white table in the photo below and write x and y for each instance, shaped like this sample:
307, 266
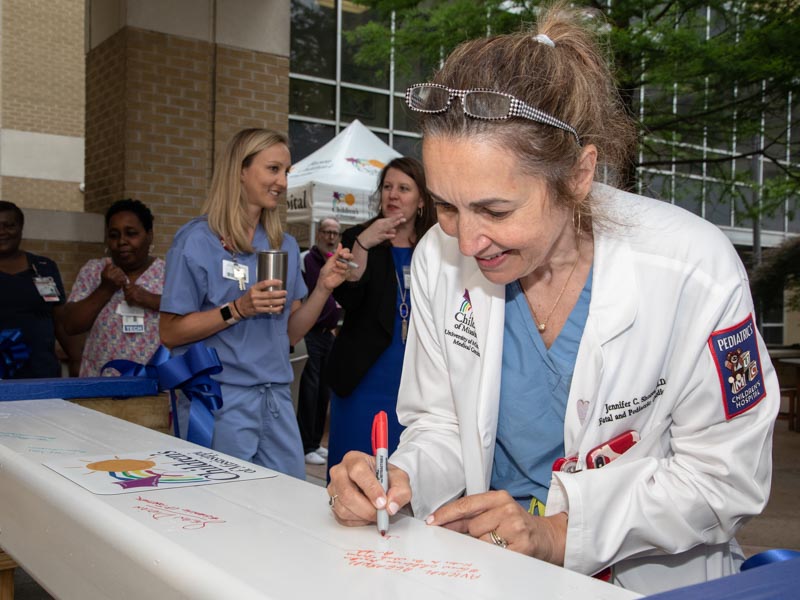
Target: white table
278, 538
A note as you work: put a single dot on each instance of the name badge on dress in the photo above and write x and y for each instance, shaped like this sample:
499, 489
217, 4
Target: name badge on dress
132, 317
47, 288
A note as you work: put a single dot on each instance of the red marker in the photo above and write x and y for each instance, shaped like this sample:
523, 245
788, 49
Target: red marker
380, 447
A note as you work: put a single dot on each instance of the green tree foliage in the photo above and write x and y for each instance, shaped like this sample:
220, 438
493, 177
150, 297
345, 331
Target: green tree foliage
695, 75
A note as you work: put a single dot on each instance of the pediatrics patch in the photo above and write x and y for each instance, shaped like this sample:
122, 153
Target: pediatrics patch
738, 363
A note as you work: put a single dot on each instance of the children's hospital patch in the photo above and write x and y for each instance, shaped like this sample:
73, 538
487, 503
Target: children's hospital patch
738, 363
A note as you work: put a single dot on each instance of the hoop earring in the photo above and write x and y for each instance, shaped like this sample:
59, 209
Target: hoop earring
419, 212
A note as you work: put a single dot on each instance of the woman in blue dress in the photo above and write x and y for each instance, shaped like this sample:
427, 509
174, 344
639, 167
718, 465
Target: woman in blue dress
367, 357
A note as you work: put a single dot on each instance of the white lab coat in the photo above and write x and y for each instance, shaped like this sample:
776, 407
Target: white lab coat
665, 512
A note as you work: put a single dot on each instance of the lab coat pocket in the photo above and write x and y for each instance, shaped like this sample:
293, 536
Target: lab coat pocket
652, 444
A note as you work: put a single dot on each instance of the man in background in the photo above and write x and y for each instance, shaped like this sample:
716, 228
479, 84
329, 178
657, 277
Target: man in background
314, 395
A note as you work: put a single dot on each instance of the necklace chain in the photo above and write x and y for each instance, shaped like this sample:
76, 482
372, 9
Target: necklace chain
403, 308
542, 325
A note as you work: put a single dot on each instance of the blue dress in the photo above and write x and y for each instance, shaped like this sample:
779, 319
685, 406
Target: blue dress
351, 417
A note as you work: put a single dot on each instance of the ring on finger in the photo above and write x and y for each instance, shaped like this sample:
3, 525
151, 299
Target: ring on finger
497, 540
332, 500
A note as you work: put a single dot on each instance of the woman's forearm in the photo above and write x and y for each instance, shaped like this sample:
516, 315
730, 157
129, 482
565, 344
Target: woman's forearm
305, 314
80, 316
178, 330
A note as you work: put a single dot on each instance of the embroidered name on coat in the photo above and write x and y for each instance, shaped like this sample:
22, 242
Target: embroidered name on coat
462, 330
738, 364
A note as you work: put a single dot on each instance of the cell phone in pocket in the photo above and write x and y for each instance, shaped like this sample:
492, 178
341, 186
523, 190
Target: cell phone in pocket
612, 449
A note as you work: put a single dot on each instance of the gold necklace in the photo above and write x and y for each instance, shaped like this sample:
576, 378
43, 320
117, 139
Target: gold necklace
542, 325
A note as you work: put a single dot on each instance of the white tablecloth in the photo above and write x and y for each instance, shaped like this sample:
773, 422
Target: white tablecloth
262, 538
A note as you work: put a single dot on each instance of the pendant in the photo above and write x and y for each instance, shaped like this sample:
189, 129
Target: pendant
404, 312
541, 326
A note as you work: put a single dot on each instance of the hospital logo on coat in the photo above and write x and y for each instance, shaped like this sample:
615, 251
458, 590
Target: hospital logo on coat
738, 364
462, 329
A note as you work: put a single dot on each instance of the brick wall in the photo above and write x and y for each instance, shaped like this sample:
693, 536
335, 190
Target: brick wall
252, 90
148, 126
105, 126
42, 193
168, 127
42, 88
155, 115
43, 66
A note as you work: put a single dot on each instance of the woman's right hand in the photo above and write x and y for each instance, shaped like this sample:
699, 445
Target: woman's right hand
112, 277
259, 300
380, 231
357, 494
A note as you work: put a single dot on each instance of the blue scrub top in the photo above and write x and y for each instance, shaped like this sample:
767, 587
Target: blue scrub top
534, 390
253, 351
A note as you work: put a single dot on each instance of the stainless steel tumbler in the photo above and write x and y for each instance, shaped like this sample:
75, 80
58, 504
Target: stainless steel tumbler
272, 264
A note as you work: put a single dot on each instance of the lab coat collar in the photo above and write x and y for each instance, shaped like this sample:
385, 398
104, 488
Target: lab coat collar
615, 293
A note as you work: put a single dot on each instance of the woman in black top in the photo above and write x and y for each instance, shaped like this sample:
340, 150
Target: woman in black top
32, 298
367, 357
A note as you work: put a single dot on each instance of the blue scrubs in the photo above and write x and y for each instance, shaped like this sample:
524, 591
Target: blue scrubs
257, 421
534, 389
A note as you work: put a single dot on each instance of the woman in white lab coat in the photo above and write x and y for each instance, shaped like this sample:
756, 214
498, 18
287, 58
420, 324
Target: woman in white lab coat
584, 382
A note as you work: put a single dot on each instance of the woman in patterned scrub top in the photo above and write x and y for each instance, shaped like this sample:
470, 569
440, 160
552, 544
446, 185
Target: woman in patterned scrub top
116, 298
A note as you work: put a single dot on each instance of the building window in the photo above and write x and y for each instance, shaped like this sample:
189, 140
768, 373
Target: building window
772, 325
328, 89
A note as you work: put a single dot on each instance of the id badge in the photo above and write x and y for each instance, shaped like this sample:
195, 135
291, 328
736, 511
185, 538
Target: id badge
47, 288
132, 324
407, 277
132, 317
235, 271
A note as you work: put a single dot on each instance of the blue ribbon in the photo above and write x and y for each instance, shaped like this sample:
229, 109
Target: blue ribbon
14, 353
191, 373
769, 556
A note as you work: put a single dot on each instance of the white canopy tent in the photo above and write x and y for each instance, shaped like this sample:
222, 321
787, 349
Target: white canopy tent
338, 180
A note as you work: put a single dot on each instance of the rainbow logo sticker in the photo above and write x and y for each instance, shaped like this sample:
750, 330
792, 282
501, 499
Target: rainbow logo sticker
133, 473
155, 470
366, 165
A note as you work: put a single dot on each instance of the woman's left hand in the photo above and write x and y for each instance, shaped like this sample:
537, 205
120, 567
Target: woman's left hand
135, 294
496, 518
334, 271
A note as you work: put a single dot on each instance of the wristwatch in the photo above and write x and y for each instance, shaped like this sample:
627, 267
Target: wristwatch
227, 314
